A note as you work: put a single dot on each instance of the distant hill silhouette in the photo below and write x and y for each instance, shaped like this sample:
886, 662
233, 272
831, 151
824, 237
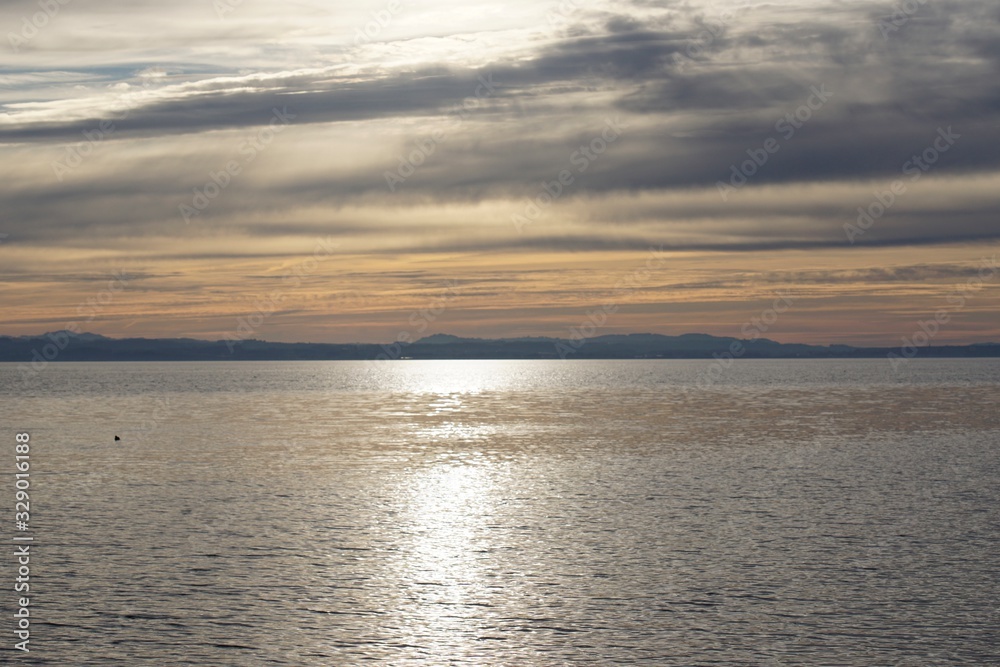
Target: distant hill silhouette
67, 346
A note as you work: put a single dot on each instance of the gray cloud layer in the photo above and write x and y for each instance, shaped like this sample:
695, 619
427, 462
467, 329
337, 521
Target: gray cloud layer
695, 92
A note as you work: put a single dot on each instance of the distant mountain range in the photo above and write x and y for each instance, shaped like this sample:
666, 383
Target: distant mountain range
68, 346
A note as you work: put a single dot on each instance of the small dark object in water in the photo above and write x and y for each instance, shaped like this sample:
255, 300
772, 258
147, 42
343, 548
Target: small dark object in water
117, 438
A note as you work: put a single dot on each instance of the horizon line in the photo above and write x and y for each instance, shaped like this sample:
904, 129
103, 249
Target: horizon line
238, 340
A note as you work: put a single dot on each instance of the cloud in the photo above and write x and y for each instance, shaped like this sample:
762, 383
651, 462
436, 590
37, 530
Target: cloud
698, 90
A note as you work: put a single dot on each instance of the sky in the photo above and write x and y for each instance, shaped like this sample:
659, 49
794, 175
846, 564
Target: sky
342, 172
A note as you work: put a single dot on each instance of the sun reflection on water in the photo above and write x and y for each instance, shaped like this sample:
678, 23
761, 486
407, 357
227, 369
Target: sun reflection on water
450, 503
450, 507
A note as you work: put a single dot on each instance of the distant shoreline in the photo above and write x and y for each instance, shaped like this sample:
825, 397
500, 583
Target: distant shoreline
68, 346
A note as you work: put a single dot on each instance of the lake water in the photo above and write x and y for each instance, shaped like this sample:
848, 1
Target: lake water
508, 513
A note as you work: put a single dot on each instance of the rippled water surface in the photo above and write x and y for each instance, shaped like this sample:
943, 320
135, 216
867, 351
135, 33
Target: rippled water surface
509, 513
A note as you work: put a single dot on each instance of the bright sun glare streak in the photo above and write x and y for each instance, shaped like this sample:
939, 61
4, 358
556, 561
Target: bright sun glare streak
450, 507
452, 378
449, 392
